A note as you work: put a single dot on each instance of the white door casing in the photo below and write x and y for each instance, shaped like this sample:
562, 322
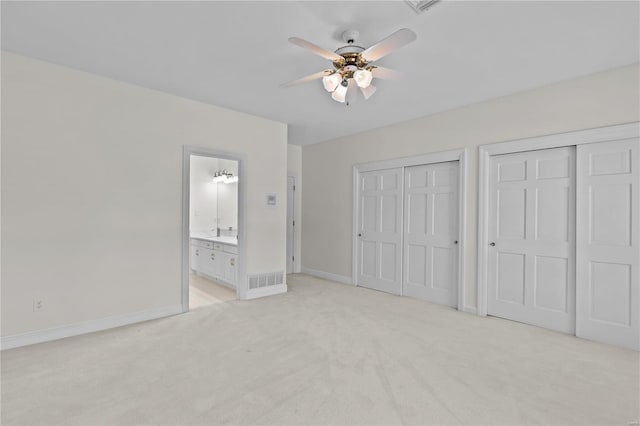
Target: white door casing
608, 242
242, 289
431, 233
531, 233
291, 187
379, 230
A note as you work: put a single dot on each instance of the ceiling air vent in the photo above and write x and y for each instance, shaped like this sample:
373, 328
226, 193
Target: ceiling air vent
421, 5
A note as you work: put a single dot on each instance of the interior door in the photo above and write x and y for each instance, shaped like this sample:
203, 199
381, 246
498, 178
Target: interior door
431, 232
608, 246
291, 187
379, 230
532, 238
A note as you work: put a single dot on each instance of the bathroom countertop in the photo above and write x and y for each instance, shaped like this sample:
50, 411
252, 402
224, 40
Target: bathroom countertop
208, 237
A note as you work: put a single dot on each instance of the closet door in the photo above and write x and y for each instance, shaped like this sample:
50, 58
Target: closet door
608, 253
531, 253
380, 230
431, 233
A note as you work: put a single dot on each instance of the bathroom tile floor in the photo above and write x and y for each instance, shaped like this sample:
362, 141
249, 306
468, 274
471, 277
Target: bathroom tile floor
204, 292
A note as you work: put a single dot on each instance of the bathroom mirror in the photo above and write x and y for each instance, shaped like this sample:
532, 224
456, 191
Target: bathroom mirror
227, 197
214, 202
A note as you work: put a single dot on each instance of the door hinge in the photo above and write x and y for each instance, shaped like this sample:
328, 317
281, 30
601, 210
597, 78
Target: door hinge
294, 223
294, 187
293, 258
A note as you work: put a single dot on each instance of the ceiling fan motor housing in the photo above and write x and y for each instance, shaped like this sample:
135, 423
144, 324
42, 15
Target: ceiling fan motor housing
351, 60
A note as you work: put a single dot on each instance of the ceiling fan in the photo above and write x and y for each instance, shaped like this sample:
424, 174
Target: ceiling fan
352, 64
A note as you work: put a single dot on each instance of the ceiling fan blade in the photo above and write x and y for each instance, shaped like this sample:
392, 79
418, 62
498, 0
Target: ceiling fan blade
315, 49
386, 73
306, 79
384, 47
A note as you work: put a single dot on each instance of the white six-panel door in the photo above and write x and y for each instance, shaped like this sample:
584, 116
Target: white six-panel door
431, 232
531, 258
608, 246
380, 230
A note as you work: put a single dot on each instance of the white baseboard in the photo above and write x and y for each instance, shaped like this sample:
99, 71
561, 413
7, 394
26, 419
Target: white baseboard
470, 309
327, 276
255, 293
55, 333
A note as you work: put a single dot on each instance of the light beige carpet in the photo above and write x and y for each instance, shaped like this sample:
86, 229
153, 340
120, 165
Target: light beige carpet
324, 353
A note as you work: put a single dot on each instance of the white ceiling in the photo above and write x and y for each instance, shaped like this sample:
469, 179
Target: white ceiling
235, 54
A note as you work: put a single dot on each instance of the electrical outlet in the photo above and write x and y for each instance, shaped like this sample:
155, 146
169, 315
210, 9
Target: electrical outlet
37, 305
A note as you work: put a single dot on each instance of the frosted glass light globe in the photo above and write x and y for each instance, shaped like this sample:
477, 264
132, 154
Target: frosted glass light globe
331, 82
340, 93
363, 78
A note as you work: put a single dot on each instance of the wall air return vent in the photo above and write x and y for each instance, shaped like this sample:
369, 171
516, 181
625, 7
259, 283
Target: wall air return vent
421, 5
266, 280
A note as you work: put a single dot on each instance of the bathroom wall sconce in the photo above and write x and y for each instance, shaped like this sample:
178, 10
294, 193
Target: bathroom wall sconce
224, 176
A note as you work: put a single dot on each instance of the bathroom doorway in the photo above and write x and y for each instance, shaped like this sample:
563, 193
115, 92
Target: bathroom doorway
211, 238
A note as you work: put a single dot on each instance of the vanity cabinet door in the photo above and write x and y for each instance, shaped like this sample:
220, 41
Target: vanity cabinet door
230, 269
196, 258
208, 265
220, 260
214, 263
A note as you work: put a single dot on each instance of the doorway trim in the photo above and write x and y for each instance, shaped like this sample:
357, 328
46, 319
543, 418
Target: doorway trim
580, 137
459, 155
294, 211
187, 152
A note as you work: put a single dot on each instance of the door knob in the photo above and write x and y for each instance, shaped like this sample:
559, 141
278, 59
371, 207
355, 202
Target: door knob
359, 235
455, 242
492, 244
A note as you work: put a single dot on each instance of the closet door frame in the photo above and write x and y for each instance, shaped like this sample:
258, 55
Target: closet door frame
600, 134
459, 155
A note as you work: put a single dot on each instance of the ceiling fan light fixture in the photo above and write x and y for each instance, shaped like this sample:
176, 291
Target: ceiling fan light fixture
363, 78
340, 94
331, 81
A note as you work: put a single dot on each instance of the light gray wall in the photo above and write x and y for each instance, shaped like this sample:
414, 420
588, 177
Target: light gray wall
596, 100
92, 192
